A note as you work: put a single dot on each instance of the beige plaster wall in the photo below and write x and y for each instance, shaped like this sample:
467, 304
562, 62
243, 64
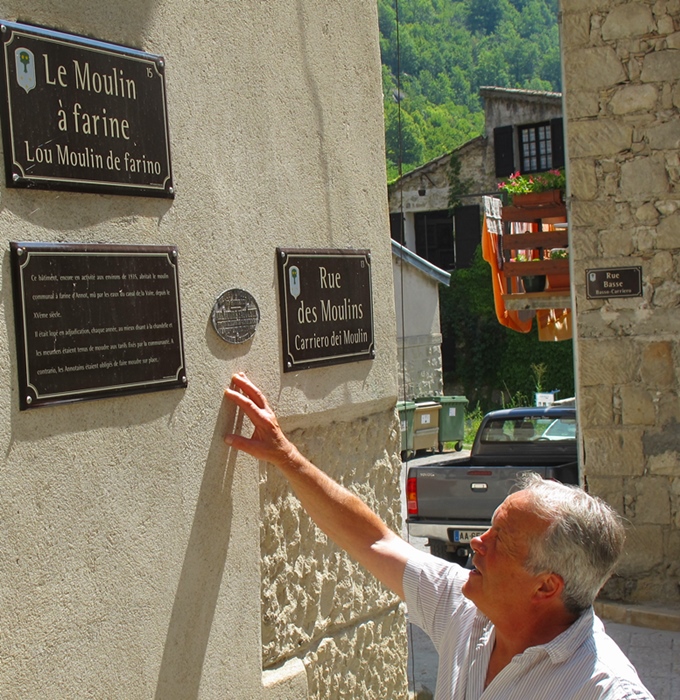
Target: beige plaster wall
131, 538
622, 95
419, 337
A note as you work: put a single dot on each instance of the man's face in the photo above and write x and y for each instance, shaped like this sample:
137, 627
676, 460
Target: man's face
500, 585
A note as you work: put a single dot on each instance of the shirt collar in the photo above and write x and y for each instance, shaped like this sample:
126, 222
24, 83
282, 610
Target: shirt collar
565, 645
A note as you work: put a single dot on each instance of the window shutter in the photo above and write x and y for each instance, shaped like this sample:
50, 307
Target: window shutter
503, 150
557, 138
468, 233
397, 227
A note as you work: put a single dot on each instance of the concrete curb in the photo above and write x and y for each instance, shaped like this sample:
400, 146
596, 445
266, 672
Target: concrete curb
660, 617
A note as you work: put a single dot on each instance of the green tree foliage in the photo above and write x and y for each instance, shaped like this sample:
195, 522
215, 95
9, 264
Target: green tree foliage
484, 356
483, 16
448, 49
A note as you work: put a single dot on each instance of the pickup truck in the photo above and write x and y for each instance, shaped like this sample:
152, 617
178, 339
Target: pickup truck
452, 501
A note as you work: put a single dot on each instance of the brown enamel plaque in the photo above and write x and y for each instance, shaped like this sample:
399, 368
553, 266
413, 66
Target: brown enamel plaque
95, 320
612, 282
80, 114
326, 307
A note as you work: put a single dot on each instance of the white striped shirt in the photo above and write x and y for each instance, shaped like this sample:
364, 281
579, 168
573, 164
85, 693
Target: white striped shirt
582, 663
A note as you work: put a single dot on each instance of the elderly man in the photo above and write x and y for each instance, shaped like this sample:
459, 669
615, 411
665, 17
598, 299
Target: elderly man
520, 626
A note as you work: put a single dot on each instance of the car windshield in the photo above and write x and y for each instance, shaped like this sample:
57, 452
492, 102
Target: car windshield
561, 429
529, 429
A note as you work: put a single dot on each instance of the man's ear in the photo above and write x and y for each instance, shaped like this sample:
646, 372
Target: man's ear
550, 587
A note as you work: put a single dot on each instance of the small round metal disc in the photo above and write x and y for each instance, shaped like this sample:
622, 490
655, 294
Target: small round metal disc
235, 316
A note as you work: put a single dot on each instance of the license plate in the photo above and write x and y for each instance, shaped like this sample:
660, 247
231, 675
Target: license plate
464, 536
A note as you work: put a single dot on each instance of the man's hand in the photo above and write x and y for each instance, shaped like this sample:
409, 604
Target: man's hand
268, 442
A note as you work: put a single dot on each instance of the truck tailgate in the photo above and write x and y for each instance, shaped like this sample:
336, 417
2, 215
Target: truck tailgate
465, 494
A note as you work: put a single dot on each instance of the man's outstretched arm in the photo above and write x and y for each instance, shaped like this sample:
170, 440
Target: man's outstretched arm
344, 517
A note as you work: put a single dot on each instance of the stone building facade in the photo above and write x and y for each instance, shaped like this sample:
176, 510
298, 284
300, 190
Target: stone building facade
621, 63
447, 238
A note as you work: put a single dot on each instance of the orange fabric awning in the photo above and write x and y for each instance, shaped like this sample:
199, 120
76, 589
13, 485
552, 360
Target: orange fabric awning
506, 317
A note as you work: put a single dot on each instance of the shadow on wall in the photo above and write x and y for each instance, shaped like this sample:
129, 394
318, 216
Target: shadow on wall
199, 583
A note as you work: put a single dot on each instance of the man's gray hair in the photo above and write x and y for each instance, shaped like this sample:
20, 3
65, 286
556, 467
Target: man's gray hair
582, 543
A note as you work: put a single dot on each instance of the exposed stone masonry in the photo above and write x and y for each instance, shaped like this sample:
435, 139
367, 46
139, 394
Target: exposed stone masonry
622, 96
317, 603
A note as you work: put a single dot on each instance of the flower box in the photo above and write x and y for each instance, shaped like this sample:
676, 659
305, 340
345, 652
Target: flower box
537, 199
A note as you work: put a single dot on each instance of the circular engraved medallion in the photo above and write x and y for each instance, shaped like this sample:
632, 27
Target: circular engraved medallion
235, 316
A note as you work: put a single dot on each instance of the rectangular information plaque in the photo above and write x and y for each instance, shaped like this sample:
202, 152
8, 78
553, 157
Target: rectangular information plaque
80, 114
608, 282
95, 320
326, 307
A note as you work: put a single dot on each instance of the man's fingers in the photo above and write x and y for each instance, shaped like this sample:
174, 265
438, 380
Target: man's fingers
241, 400
260, 417
249, 389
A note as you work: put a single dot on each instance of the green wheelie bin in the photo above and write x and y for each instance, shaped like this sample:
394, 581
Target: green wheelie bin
451, 419
406, 413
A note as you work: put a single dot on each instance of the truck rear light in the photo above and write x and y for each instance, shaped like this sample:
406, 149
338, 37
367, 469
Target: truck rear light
412, 496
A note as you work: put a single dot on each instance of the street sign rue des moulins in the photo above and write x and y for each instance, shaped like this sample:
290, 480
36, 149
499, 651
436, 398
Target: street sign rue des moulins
326, 307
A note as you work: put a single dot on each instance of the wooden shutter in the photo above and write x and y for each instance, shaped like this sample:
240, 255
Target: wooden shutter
468, 233
503, 138
557, 138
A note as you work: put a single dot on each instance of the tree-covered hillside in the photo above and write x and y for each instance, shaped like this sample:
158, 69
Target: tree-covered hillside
448, 50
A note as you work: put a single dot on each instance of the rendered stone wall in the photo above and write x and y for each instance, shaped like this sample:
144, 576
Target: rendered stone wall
622, 97
503, 106
419, 338
130, 559
433, 177
420, 358
317, 603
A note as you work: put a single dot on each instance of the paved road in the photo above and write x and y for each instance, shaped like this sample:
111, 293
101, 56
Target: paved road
654, 653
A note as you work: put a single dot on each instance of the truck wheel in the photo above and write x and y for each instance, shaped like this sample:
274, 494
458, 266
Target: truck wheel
438, 549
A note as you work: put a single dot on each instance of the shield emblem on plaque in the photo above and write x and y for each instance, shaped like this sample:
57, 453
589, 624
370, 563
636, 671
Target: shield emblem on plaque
294, 281
25, 65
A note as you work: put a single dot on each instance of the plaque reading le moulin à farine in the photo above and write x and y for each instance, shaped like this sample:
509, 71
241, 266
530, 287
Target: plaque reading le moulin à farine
80, 114
326, 307
95, 320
